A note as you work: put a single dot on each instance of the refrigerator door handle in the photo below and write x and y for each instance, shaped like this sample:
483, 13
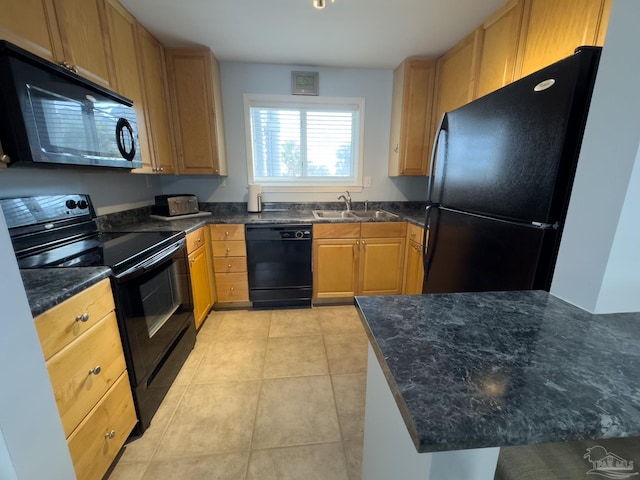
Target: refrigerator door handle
434, 154
427, 254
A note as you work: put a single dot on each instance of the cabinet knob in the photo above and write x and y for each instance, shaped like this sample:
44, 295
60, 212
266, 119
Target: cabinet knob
5, 159
82, 318
192, 260
226, 234
110, 435
229, 266
74, 69
228, 250
95, 370
161, 169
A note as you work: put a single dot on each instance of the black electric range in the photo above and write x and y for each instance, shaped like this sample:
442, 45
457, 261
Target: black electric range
152, 294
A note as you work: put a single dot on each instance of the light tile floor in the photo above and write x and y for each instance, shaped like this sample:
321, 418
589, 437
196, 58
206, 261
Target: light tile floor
264, 395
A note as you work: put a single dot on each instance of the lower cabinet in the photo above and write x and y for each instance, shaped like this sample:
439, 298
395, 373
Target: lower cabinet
230, 263
413, 265
358, 259
83, 353
200, 265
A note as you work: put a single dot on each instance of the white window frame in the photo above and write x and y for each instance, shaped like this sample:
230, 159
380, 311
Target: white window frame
287, 101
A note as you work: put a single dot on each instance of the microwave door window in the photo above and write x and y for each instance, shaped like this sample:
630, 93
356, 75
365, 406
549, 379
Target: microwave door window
62, 123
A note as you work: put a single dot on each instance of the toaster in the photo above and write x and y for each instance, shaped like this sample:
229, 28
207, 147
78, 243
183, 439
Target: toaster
173, 205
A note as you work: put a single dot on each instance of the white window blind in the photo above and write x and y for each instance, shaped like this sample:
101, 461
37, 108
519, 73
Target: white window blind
304, 144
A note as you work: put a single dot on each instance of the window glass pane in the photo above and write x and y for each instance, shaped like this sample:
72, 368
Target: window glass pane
304, 145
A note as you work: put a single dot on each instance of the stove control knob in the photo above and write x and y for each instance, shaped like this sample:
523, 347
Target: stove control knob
71, 204
83, 204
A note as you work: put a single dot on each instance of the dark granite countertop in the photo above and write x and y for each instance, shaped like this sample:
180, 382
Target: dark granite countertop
47, 287
471, 370
139, 220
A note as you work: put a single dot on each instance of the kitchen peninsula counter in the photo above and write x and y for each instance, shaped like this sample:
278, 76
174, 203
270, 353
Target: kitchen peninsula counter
477, 370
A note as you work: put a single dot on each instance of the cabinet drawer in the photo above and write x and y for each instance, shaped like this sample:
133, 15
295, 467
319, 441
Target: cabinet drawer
336, 230
230, 265
75, 388
224, 232
195, 240
383, 229
229, 249
92, 450
232, 287
61, 324
414, 233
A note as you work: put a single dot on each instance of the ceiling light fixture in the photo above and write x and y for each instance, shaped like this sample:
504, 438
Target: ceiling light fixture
320, 4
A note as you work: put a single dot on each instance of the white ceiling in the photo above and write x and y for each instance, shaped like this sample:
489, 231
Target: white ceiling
347, 33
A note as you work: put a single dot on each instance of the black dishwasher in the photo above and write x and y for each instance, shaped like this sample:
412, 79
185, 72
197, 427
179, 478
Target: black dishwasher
279, 265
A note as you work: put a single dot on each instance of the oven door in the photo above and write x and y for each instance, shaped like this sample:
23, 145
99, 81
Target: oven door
154, 309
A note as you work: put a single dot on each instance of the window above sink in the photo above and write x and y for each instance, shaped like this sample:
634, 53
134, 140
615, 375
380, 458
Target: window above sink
304, 143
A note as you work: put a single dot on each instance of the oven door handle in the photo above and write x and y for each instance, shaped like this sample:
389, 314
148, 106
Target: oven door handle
145, 266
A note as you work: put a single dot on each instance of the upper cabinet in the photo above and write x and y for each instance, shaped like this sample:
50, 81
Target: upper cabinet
154, 74
122, 31
196, 96
499, 50
555, 28
409, 146
456, 73
31, 24
72, 33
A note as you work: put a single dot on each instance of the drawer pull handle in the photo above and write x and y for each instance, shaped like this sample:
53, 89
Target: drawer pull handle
83, 318
229, 267
226, 234
95, 370
228, 250
110, 434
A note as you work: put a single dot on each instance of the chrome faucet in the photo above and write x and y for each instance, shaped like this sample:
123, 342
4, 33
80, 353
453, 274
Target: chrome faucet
347, 200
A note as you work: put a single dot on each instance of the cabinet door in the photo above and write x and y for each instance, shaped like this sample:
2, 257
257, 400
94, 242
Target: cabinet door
200, 285
413, 270
335, 271
555, 29
156, 100
122, 32
455, 75
85, 40
501, 34
410, 145
190, 73
31, 24
381, 266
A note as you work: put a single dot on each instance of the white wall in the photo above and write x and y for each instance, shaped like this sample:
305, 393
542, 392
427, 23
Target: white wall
598, 265
110, 191
32, 433
239, 78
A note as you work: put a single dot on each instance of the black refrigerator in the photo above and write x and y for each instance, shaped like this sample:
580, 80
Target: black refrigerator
502, 171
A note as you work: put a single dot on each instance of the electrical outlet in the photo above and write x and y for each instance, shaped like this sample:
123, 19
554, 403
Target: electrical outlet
367, 181
222, 182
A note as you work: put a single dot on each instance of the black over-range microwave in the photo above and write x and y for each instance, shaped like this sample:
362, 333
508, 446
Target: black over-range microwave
51, 115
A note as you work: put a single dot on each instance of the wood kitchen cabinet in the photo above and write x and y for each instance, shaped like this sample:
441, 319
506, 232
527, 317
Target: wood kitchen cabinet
128, 68
412, 104
155, 98
69, 32
196, 96
553, 29
200, 265
455, 78
336, 250
230, 263
358, 259
83, 352
31, 24
413, 264
499, 49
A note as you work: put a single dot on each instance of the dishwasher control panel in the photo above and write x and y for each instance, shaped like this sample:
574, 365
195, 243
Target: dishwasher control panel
267, 232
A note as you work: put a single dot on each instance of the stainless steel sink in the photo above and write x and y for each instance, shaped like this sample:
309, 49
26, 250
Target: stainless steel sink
331, 214
353, 214
373, 214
